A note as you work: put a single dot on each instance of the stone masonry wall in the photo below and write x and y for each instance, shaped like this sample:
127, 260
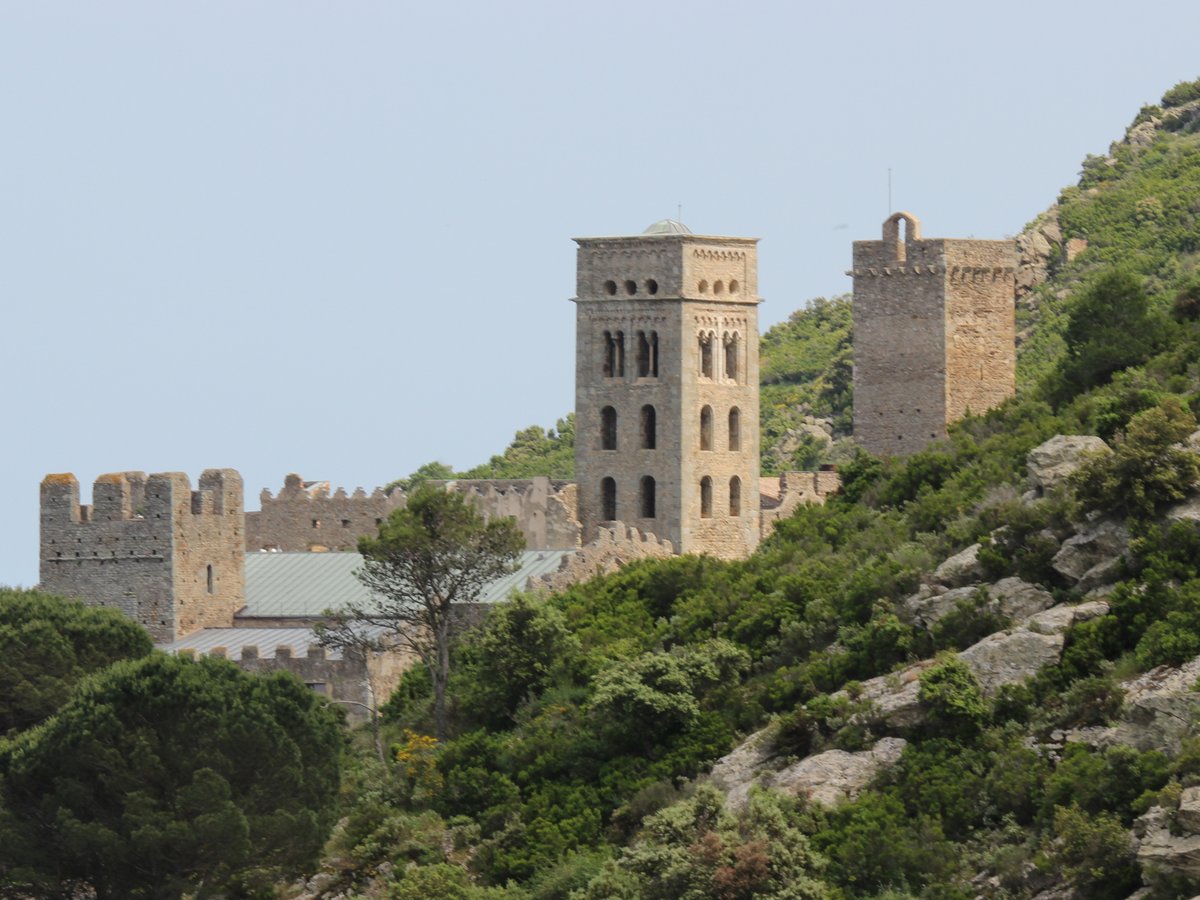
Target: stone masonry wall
680, 292
933, 334
544, 510
299, 519
170, 558
613, 547
302, 519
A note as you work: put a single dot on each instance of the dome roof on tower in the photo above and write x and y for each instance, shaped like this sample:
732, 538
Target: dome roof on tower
668, 226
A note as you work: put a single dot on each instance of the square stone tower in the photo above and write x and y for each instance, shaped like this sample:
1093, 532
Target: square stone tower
170, 558
933, 334
666, 387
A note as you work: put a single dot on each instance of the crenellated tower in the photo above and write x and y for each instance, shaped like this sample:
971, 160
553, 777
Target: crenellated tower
170, 558
933, 334
666, 388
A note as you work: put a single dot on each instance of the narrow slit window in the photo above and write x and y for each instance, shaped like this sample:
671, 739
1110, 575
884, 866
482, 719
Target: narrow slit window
608, 499
654, 354
649, 428
608, 428
610, 355
706, 354
619, 339
706, 497
647, 497
209, 579
735, 429
735, 496
706, 428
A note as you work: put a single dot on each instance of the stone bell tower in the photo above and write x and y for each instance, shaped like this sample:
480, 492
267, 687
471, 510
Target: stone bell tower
666, 387
933, 334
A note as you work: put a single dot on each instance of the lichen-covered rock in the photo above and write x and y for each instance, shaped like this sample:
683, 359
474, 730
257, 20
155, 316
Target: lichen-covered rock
1009, 657
1188, 817
961, 568
836, 776
1160, 707
1092, 557
1160, 850
1011, 598
1058, 619
828, 778
747, 759
1052, 462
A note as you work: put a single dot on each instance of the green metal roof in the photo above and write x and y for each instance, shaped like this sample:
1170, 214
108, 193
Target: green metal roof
282, 585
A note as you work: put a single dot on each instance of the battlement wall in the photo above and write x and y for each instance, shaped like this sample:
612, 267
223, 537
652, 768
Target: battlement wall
796, 489
301, 519
545, 510
614, 546
168, 557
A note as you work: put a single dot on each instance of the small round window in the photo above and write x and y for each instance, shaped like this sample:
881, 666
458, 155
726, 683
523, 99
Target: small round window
734, 287
610, 287
631, 287
718, 287
651, 286
703, 286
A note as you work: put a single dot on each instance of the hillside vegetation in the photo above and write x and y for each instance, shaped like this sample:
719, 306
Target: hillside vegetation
971, 674
585, 722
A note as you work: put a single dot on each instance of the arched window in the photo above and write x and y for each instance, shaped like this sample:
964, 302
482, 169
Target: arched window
706, 497
610, 355
703, 286
731, 356
647, 354
706, 367
608, 428
735, 496
608, 500
735, 429
619, 340
649, 428
647, 497
706, 428
643, 355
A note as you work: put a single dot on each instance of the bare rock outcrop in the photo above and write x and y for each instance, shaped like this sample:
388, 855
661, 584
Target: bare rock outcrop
1158, 713
1050, 463
1093, 556
1006, 657
1011, 598
961, 568
828, 778
1158, 850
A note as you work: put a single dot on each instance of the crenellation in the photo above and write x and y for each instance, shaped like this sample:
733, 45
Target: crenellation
146, 547
305, 516
932, 347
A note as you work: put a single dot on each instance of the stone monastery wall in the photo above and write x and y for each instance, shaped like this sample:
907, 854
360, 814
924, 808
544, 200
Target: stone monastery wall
304, 518
169, 557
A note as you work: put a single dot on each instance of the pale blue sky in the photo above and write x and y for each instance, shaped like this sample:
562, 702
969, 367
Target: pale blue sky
334, 238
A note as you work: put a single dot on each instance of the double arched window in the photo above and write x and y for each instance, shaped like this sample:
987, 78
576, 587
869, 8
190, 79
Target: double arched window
614, 354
